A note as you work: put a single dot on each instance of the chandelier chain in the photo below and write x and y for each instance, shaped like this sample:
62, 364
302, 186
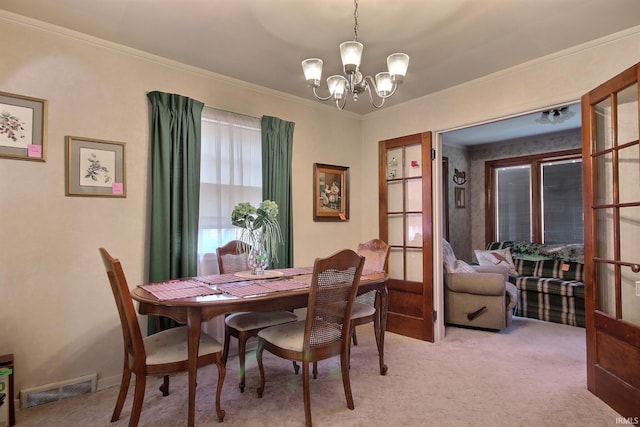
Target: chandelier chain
355, 19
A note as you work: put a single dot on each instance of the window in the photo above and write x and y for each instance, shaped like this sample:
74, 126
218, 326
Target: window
562, 220
535, 198
513, 203
230, 173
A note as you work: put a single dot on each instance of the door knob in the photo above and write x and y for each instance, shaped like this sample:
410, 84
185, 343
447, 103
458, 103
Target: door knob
635, 268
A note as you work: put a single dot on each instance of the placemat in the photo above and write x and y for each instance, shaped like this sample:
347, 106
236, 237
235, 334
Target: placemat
284, 285
217, 279
263, 287
296, 271
176, 289
244, 289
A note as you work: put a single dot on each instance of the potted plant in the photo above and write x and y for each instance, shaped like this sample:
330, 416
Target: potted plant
259, 233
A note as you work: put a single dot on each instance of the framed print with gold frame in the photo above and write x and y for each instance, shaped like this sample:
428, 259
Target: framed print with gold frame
23, 127
95, 167
330, 192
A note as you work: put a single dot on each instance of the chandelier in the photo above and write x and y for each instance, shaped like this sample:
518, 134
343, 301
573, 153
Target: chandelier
353, 82
555, 116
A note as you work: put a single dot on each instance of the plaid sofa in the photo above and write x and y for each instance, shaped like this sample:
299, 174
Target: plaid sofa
549, 280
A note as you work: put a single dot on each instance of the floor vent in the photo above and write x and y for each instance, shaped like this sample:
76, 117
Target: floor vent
58, 391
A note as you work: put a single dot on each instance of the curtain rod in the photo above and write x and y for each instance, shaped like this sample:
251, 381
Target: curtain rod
232, 112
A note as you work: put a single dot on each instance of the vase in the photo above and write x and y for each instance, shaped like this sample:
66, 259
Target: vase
257, 259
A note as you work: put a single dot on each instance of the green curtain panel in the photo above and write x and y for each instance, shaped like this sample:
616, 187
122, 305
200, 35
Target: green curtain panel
277, 148
175, 145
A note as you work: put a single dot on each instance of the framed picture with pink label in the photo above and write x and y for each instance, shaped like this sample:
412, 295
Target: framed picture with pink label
23, 127
330, 192
95, 167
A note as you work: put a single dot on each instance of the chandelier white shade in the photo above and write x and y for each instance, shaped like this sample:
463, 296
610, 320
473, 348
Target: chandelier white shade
353, 82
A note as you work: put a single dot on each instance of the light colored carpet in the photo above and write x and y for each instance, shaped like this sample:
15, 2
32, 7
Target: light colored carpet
531, 374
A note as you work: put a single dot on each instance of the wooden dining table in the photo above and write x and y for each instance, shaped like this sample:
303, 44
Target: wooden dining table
194, 300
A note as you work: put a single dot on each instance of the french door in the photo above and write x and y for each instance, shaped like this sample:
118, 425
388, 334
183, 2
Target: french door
611, 160
405, 189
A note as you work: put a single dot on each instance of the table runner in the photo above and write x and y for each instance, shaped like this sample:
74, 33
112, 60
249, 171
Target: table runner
219, 279
231, 284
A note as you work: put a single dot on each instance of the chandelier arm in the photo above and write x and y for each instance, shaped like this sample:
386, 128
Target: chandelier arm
320, 98
344, 103
371, 83
371, 101
395, 86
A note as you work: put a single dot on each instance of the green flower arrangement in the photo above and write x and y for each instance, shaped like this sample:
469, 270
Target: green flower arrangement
259, 228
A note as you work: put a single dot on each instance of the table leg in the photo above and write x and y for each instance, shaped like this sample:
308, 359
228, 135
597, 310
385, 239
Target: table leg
380, 324
194, 322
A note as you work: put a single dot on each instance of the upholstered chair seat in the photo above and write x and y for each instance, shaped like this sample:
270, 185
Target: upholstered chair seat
244, 325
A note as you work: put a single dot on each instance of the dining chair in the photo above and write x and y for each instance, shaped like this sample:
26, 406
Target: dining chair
160, 354
244, 325
327, 329
376, 254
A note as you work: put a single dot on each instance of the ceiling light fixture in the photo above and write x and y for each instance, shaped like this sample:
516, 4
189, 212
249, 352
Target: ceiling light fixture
555, 116
355, 83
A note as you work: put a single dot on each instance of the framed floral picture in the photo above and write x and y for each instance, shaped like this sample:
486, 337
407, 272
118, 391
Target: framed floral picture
330, 192
95, 167
23, 127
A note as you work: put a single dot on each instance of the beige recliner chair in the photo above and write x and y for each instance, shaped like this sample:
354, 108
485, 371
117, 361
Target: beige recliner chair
476, 296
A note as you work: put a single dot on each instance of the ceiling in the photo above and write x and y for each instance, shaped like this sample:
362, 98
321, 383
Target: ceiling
264, 41
526, 125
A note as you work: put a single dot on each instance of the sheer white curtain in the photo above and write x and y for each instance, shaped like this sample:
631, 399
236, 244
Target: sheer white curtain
231, 172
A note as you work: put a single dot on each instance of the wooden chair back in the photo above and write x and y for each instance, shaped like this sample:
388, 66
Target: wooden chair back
230, 259
168, 349
376, 253
134, 346
334, 285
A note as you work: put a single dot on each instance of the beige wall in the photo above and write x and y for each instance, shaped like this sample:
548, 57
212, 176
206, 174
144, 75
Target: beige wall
58, 315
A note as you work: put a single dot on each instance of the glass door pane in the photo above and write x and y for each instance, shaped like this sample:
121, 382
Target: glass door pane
413, 195
394, 163
396, 263
627, 115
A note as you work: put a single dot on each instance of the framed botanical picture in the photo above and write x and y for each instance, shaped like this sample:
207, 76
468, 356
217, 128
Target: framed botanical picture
459, 196
23, 127
330, 192
95, 168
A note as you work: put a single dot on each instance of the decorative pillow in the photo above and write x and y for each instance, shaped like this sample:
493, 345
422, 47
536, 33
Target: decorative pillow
462, 267
497, 257
448, 257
